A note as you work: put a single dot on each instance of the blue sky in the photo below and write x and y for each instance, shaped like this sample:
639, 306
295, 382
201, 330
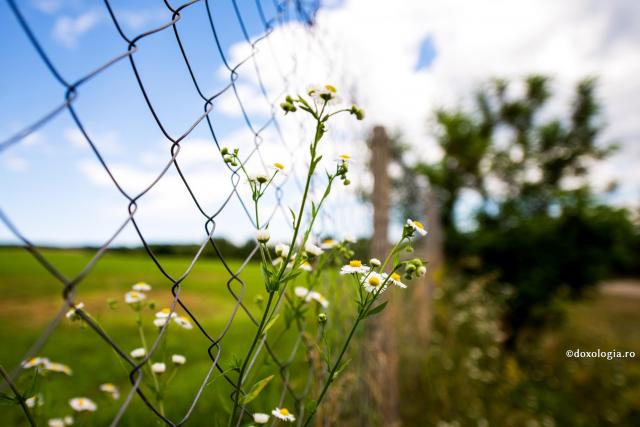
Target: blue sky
52, 185
400, 63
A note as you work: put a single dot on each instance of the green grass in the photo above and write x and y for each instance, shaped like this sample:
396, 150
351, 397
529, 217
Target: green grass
31, 297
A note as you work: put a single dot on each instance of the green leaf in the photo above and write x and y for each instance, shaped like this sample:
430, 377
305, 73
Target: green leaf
256, 390
270, 324
6, 398
377, 309
340, 369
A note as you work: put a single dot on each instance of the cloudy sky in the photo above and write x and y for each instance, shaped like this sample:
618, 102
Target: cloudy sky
399, 60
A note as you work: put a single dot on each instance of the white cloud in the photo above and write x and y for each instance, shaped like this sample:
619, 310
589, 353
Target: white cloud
140, 19
16, 164
68, 30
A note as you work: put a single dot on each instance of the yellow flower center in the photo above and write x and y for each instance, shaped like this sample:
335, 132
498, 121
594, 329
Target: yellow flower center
418, 224
33, 360
134, 294
329, 241
165, 311
279, 165
355, 263
374, 281
284, 411
330, 88
396, 277
345, 156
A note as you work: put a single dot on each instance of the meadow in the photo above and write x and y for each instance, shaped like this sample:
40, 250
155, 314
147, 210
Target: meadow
31, 298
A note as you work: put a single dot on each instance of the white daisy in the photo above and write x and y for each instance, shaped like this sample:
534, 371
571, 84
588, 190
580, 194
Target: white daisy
375, 262
183, 321
35, 361
141, 287
160, 321
259, 177
283, 414
159, 368
56, 422
110, 389
34, 401
326, 93
344, 158
80, 404
395, 279
178, 359
301, 292
263, 235
312, 249
354, 267
305, 266
71, 314
58, 367
319, 298
372, 282
165, 312
133, 297
282, 250
349, 238
260, 418
328, 244
68, 420
417, 226
138, 353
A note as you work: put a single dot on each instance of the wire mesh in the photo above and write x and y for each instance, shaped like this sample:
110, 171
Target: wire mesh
303, 11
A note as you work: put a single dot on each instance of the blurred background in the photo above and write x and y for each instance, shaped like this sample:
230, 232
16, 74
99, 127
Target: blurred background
508, 127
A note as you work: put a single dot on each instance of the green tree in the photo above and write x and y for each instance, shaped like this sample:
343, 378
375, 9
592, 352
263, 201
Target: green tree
538, 226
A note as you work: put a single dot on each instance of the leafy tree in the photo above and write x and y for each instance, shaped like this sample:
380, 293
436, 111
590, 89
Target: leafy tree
538, 226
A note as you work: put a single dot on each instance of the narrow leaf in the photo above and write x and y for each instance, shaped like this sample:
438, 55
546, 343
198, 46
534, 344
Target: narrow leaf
270, 324
377, 309
256, 390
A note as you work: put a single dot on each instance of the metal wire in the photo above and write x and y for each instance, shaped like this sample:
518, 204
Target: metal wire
304, 11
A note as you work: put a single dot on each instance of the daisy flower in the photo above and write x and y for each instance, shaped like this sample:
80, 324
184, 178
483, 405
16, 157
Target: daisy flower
133, 297
282, 250
320, 299
305, 266
160, 321
344, 158
373, 281
158, 368
283, 414
263, 235
110, 389
80, 404
68, 420
259, 177
355, 266
327, 93
328, 244
183, 321
56, 422
138, 353
375, 262
302, 292
260, 418
417, 226
34, 401
312, 249
58, 367
71, 314
279, 167
395, 279
178, 359
141, 287
164, 313
349, 238
35, 361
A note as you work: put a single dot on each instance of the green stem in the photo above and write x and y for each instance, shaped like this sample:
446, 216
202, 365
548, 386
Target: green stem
19, 397
236, 399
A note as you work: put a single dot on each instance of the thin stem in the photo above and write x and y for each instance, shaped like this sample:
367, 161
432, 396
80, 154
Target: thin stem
19, 397
236, 399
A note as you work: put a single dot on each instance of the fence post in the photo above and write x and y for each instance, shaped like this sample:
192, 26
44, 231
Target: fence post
381, 348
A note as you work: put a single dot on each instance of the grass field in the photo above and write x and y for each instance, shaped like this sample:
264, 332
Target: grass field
31, 297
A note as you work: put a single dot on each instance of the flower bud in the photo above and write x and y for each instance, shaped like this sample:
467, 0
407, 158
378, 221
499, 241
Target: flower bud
346, 182
322, 318
422, 270
224, 151
263, 235
375, 262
